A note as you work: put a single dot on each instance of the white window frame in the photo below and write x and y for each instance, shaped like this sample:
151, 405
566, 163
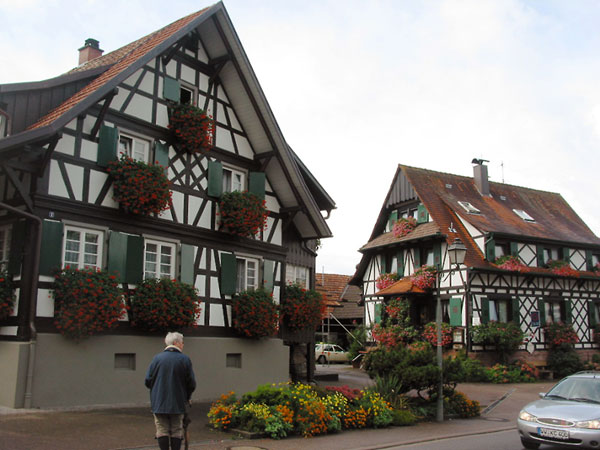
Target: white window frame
298, 274
228, 185
81, 254
245, 280
192, 90
135, 139
157, 272
5, 238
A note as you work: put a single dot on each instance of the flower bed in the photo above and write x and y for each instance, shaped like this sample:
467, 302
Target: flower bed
424, 277
242, 213
163, 305
404, 226
192, 127
299, 409
385, 280
510, 262
301, 308
254, 314
7, 295
86, 302
139, 188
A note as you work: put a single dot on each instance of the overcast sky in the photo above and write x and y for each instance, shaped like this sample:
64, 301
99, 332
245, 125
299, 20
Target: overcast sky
358, 87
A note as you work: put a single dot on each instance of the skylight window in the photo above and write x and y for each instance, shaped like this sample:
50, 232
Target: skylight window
523, 215
469, 208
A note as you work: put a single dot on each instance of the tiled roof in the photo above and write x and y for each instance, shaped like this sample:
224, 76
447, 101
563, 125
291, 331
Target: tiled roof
121, 60
421, 231
402, 286
341, 298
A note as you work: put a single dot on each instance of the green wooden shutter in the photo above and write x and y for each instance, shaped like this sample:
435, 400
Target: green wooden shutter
422, 214
589, 260
392, 220
490, 249
455, 312
542, 312
568, 311
161, 155
51, 252
215, 179
378, 312
514, 248
417, 255
17, 242
437, 255
268, 275
400, 262
126, 257
485, 310
186, 273
516, 311
228, 276
108, 140
592, 319
540, 256
171, 89
566, 254
256, 184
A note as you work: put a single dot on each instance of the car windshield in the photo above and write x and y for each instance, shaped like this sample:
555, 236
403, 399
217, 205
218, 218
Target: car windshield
577, 388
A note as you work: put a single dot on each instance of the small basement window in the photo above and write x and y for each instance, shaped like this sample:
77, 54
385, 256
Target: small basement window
523, 215
125, 361
469, 208
234, 360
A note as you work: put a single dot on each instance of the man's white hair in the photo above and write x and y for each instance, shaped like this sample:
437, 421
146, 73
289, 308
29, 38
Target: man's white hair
173, 337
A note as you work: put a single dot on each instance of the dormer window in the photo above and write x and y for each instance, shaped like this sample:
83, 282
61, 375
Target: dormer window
469, 208
523, 215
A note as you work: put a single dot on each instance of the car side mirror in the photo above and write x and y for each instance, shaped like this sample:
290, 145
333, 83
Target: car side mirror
542, 394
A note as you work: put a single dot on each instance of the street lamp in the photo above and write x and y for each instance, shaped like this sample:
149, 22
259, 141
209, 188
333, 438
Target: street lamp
456, 253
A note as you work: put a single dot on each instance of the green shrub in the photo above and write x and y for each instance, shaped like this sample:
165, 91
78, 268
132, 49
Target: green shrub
563, 360
505, 337
473, 369
269, 394
357, 342
403, 417
458, 404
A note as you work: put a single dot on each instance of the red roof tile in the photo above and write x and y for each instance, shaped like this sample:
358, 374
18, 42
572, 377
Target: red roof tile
341, 298
421, 231
402, 286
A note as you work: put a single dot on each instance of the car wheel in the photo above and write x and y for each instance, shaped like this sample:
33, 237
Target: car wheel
322, 359
529, 444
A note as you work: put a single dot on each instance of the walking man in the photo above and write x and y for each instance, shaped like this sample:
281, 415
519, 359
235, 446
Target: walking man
171, 381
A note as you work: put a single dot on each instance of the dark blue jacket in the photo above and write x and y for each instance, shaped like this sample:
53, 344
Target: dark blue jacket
171, 381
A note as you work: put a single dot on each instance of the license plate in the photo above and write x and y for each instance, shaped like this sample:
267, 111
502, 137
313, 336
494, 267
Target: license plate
554, 434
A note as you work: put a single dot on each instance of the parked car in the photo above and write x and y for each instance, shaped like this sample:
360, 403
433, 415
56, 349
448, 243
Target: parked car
325, 353
568, 414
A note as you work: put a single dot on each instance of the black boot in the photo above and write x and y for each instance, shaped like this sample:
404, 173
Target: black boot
163, 442
175, 443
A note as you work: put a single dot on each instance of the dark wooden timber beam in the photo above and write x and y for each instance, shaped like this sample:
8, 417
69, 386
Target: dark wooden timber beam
48, 154
265, 159
107, 100
14, 179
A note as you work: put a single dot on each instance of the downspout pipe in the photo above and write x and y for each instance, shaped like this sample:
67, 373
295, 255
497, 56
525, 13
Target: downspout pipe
27, 400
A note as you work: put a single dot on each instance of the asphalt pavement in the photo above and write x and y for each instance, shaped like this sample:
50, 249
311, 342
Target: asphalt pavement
132, 428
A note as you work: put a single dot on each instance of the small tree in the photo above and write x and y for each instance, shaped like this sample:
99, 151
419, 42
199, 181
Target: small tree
506, 337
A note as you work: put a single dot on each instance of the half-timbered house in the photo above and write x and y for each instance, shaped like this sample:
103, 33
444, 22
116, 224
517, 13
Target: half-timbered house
492, 220
57, 137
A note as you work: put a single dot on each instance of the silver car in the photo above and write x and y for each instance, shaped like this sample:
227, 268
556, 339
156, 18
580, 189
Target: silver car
568, 414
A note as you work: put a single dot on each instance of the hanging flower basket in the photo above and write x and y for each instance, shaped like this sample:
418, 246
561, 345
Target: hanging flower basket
86, 302
424, 277
404, 226
510, 262
386, 280
242, 213
254, 314
139, 188
193, 128
163, 305
562, 268
7, 295
300, 308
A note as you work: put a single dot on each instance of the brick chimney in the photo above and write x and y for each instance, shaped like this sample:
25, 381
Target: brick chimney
480, 175
90, 50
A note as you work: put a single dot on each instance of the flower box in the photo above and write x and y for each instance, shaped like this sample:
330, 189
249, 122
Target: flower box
242, 213
192, 128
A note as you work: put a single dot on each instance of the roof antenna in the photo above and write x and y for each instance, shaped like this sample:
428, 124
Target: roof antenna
502, 166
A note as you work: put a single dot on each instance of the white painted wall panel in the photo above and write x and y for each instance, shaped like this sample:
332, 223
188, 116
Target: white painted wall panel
162, 116
66, 145
147, 84
215, 291
57, 187
89, 150
244, 146
200, 285
206, 217
188, 74
45, 303
223, 140
140, 107
75, 174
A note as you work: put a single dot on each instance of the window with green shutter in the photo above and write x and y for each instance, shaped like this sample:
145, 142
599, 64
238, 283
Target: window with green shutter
171, 89
589, 260
417, 258
541, 262
514, 248
400, 262
51, 251
228, 275
186, 272
516, 311
485, 310
455, 312
437, 255
215, 179
161, 154
378, 312
566, 254
490, 249
542, 312
592, 314
256, 184
392, 220
126, 256
422, 214
268, 275
108, 141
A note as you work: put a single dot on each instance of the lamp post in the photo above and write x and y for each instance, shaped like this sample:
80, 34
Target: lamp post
456, 253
